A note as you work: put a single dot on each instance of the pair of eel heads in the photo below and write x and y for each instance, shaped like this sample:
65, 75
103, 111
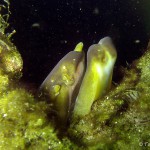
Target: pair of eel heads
71, 88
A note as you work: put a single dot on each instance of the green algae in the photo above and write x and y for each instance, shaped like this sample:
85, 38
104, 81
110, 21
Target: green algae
4, 16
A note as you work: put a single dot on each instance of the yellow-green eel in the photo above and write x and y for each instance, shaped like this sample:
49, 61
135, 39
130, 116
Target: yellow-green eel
71, 88
62, 84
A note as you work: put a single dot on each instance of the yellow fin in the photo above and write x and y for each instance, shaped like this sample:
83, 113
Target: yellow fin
79, 47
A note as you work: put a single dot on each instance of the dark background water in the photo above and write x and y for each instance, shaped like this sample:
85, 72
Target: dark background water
48, 29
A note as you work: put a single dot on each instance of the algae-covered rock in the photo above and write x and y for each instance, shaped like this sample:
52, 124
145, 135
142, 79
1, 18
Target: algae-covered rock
24, 122
120, 120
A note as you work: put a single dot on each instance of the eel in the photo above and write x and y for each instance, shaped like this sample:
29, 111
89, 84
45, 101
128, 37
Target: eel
101, 58
62, 84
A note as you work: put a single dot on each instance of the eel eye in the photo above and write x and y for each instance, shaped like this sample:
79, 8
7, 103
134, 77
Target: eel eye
56, 89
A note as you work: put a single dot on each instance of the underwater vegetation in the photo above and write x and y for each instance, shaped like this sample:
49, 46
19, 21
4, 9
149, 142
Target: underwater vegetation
117, 120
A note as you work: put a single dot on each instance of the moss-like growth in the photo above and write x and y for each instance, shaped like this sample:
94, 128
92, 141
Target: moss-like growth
24, 123
4, 5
